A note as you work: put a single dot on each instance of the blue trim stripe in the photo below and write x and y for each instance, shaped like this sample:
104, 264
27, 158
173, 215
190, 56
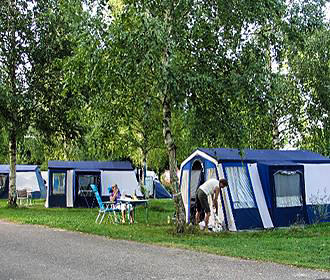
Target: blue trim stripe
90, 165
224, 154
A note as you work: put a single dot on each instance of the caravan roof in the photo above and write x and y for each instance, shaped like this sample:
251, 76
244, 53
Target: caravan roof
5, 168
91, 165
264, 155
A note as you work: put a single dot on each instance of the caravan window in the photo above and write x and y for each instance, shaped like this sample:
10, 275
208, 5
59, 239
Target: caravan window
59, 183
287, 189
240, 187
84, 184
3, 179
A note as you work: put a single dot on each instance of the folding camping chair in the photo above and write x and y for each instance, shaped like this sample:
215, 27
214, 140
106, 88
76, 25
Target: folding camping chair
24, 194
109, 208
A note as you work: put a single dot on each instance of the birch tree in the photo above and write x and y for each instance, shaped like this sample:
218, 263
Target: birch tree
31, 45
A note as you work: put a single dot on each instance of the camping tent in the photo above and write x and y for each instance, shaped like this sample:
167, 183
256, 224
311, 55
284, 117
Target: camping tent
27, 177
69, 181
154, 187
159, 190
267, 188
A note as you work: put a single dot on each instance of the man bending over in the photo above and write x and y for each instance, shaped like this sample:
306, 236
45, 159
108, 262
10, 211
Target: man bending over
210, 187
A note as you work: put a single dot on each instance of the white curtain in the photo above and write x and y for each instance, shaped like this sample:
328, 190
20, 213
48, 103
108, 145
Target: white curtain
3, 181
184, 190
69, 189
226, 206
240, 187
287, 188
59, 183
211, 174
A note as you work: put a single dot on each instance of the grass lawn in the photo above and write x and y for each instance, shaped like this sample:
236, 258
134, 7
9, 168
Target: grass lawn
307, 246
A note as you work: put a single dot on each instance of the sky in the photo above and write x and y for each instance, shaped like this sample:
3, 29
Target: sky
328, 11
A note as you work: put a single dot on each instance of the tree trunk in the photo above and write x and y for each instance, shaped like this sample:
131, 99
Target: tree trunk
12, 130
12, 177
144, 173
276, 142
169, 142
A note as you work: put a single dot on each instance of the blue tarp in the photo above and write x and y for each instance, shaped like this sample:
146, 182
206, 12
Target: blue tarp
265, 155
281, 216
160, 191
90, 165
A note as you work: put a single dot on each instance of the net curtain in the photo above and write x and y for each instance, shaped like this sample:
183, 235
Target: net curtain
240, 187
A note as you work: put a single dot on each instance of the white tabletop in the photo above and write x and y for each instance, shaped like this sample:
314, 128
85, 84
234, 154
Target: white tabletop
133, 201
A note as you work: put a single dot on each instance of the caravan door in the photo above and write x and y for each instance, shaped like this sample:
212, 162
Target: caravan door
289, 206
83, 195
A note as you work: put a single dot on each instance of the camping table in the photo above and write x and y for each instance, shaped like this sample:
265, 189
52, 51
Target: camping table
134, 203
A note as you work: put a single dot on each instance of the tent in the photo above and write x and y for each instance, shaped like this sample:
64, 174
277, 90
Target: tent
69, 181
27, 177
160, 191
267, 188
154, 187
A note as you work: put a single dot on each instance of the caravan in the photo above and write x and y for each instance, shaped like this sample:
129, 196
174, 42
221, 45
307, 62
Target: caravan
70, 181
28, 177
267, 188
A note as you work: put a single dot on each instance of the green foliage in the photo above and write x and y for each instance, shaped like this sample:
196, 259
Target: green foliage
59, 105
240, 99
31, 150
3, 146
16, 35
91, 85
311, 67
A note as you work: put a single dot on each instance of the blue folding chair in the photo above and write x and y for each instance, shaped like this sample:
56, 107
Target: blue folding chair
103, 210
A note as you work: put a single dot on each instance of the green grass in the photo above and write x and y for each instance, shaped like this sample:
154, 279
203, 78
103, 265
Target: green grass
307, 246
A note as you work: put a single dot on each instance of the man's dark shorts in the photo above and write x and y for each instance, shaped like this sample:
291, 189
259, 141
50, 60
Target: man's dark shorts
202, 201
